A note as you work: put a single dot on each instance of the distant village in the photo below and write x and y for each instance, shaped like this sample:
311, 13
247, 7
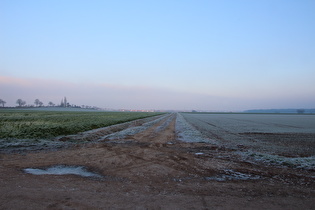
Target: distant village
37, 103
20, 103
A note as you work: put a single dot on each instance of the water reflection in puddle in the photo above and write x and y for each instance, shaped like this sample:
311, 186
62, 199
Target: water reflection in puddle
63, 170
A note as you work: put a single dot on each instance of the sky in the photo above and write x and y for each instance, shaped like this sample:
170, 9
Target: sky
167, 54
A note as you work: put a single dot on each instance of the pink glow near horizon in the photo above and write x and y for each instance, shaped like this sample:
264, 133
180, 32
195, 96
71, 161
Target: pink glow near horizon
115, 96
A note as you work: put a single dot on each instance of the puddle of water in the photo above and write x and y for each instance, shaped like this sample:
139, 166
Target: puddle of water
230, 175
63, 170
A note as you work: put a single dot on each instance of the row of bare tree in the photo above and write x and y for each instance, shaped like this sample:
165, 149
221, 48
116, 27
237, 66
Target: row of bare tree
38, 103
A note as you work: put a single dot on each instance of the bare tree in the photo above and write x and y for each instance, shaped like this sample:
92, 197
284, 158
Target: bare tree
37, 102
64, 102
2, 102
51, 103
20, 102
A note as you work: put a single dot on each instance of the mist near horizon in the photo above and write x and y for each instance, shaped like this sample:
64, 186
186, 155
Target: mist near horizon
136, 97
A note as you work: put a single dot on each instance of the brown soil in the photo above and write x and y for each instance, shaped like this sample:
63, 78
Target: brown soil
152, 170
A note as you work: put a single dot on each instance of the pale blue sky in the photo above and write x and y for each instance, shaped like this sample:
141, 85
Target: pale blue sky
229, 55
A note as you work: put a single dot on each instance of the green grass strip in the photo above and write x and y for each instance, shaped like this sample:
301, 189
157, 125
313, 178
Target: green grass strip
47, 124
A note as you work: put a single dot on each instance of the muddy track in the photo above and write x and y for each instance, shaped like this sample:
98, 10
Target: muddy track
151, 169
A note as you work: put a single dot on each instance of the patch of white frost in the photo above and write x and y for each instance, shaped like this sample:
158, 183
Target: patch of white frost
186, 132
62, 170
298, 162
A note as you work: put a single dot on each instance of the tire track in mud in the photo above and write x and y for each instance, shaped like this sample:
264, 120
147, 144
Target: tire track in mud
150, 146
162, 132
154, 146
132, 130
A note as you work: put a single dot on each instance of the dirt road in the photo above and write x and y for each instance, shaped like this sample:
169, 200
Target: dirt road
151, 169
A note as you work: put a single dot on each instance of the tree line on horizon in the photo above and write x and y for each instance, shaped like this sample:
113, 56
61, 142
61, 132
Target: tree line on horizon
64, 103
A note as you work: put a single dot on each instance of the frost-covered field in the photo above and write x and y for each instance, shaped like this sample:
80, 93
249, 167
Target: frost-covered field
271, 138
186, 132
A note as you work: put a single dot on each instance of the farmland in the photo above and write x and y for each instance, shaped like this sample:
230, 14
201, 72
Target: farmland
288, 135
47, 124
287, 139
170, 161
